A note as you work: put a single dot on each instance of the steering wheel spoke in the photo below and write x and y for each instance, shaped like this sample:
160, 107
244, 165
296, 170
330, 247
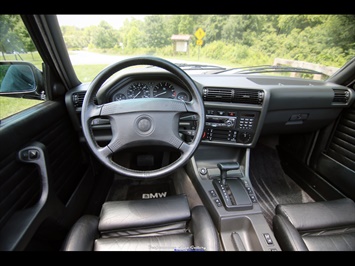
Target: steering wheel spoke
192, 108
93, 111
185, 147
105, 152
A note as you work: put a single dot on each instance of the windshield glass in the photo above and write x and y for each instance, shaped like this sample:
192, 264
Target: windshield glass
292, 43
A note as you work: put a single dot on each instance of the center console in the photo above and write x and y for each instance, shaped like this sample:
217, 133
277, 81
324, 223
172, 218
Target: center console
221, 176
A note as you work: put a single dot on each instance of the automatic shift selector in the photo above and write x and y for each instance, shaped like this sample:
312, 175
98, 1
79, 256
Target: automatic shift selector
225, 167
231, 189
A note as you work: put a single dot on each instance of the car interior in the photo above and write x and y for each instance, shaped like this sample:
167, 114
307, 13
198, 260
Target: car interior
234, 162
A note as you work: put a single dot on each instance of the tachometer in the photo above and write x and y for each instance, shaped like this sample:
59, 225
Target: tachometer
164, 90
138, 90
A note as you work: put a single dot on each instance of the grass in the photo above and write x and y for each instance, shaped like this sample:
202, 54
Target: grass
10, 106
33, 58
87, 73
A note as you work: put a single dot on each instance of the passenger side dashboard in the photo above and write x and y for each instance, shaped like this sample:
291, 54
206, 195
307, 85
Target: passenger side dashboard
267, 105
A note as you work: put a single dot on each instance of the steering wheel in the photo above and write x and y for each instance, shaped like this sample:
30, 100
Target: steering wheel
143, 122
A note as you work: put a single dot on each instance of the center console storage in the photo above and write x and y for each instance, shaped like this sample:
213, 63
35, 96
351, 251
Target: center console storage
221, 177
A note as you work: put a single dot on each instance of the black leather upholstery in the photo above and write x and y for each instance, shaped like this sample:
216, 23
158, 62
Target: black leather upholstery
316, 226
164, 224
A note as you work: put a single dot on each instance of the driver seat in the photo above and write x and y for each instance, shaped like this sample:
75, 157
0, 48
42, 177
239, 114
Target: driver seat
161, 224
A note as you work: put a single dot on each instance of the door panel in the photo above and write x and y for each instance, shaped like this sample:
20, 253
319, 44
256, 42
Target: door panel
342, 145
21, 185
337, 162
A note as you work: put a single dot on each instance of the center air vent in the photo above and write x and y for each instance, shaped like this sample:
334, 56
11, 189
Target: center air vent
218, 95
341, 96
249, 96
233, 95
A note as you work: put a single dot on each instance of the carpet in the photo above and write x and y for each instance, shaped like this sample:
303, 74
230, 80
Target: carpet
271, 185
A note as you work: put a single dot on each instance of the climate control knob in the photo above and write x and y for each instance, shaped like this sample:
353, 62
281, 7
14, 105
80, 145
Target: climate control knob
245, 137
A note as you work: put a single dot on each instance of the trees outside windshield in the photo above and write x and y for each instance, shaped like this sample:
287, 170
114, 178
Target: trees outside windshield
239, 40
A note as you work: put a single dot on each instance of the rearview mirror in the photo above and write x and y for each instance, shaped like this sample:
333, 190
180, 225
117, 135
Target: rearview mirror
19, 78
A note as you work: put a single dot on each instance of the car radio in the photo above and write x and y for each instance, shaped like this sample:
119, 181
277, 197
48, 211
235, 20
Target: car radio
220, 121
230, 126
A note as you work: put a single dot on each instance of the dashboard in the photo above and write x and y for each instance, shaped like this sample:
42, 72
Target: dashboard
238, 108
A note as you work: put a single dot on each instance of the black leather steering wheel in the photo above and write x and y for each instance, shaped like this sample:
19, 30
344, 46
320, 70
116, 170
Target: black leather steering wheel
142, 122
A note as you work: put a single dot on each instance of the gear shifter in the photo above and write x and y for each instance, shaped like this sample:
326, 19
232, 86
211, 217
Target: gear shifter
224, 168
231, 189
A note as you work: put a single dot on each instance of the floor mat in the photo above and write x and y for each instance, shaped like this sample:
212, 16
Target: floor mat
150, 191
271, 185
126, 189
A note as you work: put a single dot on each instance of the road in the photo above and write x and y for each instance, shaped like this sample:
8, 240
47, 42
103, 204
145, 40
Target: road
87, 58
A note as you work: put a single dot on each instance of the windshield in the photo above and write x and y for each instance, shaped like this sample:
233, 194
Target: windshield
301, 46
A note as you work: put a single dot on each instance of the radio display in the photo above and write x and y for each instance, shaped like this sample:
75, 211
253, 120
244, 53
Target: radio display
215, 119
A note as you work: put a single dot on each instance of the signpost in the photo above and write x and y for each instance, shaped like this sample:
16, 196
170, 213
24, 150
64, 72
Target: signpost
199, 34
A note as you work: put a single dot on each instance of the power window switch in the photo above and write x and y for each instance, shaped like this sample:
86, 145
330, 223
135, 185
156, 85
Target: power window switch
268, 239
30, 155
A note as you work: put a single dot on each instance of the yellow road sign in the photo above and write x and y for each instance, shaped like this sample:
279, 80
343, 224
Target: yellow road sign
200, 34
199, 42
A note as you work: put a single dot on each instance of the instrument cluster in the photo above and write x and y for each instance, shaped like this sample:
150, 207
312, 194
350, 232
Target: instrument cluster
151, 89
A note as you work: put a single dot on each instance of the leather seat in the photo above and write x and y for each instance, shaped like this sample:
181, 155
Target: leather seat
316, 226
162, 224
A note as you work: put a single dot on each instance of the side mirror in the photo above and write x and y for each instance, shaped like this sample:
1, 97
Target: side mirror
20, 79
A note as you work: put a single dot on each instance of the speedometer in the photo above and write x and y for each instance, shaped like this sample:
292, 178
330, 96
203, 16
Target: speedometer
138, 90
164, 90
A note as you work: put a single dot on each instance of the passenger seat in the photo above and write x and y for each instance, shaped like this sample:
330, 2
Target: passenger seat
316, 226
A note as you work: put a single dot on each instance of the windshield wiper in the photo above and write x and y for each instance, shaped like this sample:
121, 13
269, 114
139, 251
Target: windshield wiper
187, 66
269, 69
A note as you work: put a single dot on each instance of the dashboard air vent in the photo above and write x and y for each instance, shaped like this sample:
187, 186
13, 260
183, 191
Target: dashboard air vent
233, 95
249, 96
341, 96
218, 94
78, 98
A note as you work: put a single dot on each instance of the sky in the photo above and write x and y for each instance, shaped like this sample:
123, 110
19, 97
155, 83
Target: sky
83, 21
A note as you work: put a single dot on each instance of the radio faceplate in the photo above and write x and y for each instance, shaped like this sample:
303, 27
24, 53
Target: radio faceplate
226, 122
